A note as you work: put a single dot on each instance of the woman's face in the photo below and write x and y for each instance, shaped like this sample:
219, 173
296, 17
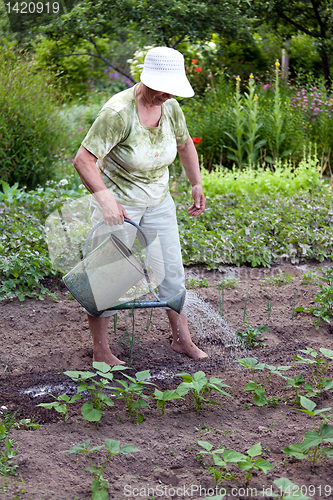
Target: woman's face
160, 97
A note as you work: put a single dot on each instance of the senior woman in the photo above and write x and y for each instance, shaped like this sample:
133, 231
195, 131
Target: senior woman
123, 161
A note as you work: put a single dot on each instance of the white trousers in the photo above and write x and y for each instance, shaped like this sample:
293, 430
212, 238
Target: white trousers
160, 226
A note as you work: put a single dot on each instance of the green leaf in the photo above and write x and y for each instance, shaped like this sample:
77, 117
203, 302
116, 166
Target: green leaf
101, 366
129, 448
263, 465
311, 438
295, 450
233, 456
307, 403
255, 450
327, 352
326, 431
78, 448
96, 492
283, 483
205, 445
90, 413
247, 362
246, 465
142, 375
113, 446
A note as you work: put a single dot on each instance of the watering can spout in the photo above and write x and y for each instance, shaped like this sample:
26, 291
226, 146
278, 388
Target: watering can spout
175, 303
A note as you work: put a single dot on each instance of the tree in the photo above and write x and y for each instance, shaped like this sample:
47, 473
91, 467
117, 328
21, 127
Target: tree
312, 17
164, 22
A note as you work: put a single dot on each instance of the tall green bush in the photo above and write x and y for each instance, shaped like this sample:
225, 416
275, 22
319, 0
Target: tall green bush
31, 133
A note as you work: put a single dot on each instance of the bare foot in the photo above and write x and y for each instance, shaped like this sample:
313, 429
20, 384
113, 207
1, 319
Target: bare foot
105, 354
190, 349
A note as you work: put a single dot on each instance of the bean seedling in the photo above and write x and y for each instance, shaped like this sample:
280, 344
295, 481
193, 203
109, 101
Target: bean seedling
257, 386
311, 446
280, 279
99, 486
61, 404
133, 395
288, 490
92, 410
318, 365
163, 397
252, 336
200, 389
309, 278
219, 469
251, 462
8, 452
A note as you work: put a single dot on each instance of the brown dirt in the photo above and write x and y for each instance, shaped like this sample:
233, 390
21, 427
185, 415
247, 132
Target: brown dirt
42, 339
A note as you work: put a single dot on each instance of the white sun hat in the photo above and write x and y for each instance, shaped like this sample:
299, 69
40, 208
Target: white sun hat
164, 70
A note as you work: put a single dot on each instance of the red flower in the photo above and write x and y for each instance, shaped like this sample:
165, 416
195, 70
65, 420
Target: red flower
198, 69
194, 61
196, 140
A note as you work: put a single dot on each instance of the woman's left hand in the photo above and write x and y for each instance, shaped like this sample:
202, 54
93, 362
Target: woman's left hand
199, 201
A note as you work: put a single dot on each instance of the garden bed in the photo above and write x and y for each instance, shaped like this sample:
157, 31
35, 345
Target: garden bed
41, 339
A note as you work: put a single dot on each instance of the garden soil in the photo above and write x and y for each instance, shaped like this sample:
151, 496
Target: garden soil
42, 339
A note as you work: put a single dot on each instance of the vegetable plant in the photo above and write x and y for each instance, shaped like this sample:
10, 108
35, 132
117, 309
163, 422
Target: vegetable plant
318, 366
287, 490
61, 405
313, 441
8, 452
257, 385
309, 278
200, 388
252, 336
296, 384
250, 462
132, 393
162, 397
93, 410
99, 486
219, 468
323, 310
279, 280
193, 283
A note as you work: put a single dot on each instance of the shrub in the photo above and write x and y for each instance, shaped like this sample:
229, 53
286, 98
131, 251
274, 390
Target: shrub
30, 130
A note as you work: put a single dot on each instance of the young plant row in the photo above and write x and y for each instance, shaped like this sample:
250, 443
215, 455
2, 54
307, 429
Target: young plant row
131, 390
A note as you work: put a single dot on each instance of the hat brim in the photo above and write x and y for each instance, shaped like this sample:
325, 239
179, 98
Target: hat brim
180, 86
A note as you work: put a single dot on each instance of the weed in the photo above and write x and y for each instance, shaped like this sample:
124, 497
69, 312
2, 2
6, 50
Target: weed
99, 486
257, 386
92, 410
133, 395
252, 336
200, 388
61, 405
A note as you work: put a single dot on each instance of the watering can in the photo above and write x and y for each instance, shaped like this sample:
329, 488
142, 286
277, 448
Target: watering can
108, 272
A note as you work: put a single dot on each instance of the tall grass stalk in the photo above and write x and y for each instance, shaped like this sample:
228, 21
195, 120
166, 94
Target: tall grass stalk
252, 125
238, 151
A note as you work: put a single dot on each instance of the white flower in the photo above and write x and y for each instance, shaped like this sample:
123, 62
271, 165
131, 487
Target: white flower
63, 182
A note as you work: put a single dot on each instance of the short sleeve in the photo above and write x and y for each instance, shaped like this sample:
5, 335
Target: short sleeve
181, 132
107, 130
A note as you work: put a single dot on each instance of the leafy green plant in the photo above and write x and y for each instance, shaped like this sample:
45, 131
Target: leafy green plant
8, 452
287, 490
318, 366
219, 469
93, 410
296, 384
228, 282
311, 446
280, 279
200, 388
193, 283
132, 393
309, 278
323, 310
252, 463
99, 486
162, 397
61, 405
257, 385
30, 128
252, 336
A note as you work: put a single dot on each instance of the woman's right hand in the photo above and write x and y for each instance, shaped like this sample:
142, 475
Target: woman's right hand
113, 213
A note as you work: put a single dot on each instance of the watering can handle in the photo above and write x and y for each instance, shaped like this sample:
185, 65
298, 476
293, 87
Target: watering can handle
85, 248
